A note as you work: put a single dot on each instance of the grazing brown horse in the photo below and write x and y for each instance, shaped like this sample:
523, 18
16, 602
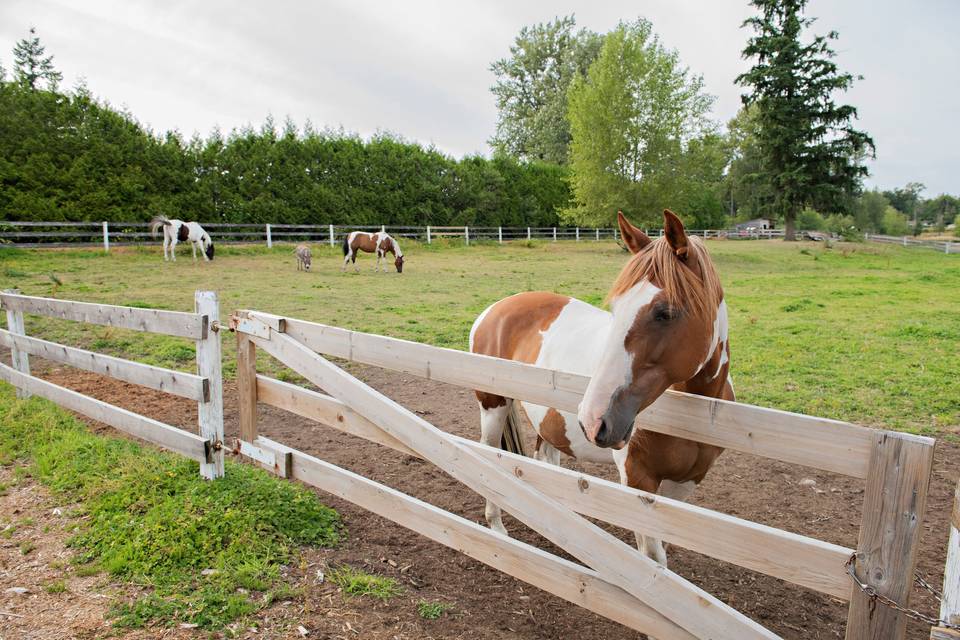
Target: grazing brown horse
379, 243
667, 328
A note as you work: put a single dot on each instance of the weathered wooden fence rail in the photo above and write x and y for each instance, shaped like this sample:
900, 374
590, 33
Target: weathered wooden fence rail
615, 580
205, 387
895, 467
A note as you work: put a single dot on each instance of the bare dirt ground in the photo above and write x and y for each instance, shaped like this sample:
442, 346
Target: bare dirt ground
485, 603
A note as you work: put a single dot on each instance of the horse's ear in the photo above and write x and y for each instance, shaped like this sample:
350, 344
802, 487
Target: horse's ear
632, 237
675, 233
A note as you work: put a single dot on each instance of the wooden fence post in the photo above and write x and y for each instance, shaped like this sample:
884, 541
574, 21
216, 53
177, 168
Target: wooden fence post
247, 386
554, 234
332, 242
269, 238
428, 234
950, 605
578, 234
894, 502
466, 235
597, 231
528, 233
500, 235
19, 358
106, 236
210, 413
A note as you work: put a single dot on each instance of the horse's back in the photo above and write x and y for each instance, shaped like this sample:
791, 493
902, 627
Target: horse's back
511, 328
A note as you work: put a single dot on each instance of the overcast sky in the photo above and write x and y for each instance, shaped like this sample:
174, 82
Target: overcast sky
421, 69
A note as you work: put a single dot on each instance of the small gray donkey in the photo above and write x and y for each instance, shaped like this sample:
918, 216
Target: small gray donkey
303, 257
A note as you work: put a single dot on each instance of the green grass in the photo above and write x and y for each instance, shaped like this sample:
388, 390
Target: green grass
357, 582
866, 333
57, 586
148, 518
432, 610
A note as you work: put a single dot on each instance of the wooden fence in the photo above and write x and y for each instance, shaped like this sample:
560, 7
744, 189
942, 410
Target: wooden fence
205, 387
615, 580
950, 602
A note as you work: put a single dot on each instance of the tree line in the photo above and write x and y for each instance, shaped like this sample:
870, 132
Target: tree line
66, 156
588, 123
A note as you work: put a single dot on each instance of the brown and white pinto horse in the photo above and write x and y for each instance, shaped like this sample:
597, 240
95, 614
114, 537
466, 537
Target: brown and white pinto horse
667, 329
379, 243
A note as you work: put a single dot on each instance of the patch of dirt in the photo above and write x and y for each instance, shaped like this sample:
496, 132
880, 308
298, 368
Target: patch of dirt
486, 603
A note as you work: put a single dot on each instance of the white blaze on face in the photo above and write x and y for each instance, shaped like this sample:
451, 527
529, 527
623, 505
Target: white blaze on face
615, 367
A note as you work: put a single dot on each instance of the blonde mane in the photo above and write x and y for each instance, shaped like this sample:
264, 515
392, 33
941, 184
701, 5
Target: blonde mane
682, 288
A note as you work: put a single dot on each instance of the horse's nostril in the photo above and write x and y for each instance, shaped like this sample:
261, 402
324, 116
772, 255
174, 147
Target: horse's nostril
601, 432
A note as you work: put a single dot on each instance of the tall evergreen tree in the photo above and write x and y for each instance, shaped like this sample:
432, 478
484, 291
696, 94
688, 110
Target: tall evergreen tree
810, 150
30, 65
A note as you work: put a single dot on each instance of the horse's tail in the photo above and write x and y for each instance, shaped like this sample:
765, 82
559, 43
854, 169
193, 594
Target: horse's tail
346, 244
156, 223
512, 438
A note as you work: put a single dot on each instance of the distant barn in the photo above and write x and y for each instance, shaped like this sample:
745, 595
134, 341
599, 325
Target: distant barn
757, 224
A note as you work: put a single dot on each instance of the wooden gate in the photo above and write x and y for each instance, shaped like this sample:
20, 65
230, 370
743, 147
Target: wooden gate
615, 580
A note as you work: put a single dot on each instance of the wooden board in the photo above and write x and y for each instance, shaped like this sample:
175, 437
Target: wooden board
182, 442
894, 502
950, 606
820, 443
173, 323
692, 608
799, 559
186, 385
563, 578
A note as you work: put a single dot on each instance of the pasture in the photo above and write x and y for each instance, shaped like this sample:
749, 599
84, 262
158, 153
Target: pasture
859, 332
862, 333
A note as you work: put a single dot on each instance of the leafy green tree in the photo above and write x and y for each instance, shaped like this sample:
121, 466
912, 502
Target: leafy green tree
809, 146
633, 118
870, 210
940, 211
895, 223
531, 89
810, 220
748, 187
907, 199
30, 65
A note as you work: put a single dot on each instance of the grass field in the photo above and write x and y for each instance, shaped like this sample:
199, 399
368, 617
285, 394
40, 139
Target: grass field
864, 333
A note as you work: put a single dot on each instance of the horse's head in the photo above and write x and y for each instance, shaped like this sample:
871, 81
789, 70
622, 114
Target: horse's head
208, 246
664, 304
398, 263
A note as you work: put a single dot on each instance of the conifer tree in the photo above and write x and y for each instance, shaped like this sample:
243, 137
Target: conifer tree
810, 151
30, 65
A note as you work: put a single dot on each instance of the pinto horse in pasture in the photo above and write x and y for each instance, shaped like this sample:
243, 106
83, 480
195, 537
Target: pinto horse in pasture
666, 329
379, 243
175, 231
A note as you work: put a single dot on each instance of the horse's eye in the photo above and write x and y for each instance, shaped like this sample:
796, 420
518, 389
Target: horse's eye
662, 313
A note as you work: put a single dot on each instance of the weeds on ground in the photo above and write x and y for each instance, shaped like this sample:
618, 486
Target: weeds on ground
356, 582
209, 552
432, 610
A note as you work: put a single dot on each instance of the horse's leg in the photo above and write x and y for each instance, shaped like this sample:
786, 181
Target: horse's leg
166, 243
173, 249
356, 269
637, 478
492, 423
193, 246
546, 452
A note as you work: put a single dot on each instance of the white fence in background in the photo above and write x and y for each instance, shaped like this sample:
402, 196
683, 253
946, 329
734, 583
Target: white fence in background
107, 234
